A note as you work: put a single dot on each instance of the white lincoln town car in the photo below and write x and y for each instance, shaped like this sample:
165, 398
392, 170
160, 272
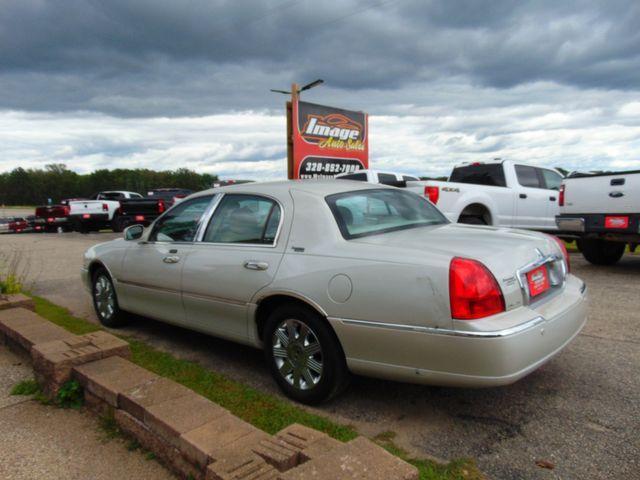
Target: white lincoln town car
338, 277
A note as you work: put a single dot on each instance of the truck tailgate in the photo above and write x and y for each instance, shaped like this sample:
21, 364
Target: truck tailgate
605, 193
87, 206
139, 206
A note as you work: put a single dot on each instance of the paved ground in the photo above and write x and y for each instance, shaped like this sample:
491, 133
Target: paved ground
581, 411
46, 442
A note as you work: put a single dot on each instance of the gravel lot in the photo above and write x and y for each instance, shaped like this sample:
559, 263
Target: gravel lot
580, 412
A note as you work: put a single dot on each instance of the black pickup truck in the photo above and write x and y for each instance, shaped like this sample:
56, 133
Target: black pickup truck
143, 211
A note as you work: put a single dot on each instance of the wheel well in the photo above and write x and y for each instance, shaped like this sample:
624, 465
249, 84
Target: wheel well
477, 210
269, 304
93, 267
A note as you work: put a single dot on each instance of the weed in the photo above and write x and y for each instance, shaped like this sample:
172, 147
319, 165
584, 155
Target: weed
26, 387
150, 456
109, 427
70, 395
133, 445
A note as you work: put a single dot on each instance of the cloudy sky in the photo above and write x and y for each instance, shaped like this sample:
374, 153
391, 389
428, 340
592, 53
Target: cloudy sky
166, 83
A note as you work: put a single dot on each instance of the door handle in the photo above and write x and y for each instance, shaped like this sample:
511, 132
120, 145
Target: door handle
256, 265
552, 198
523, 195
616, 194
171, 259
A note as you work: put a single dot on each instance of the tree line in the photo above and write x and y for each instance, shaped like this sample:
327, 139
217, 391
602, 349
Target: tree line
36, 186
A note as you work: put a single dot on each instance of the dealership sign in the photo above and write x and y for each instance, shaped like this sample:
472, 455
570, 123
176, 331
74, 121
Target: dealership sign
326, 141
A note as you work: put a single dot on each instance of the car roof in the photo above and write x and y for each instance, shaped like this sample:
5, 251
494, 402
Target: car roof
314, 186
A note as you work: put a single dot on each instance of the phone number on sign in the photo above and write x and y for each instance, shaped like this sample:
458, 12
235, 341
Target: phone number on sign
329, 167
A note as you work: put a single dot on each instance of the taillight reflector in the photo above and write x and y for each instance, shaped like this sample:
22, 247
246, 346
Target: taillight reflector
473, 290
105, 207
161, 206
561, 196
565, 253
432, 193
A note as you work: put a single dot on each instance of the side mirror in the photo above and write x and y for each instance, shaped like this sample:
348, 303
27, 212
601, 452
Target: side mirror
134, 232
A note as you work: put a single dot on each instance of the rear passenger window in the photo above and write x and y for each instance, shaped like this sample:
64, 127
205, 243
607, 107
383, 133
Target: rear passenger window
362, 177
552, 179
528, 176
491, 174
387, 179
244, 219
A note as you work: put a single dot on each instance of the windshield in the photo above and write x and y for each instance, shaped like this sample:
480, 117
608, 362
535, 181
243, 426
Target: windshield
376, 211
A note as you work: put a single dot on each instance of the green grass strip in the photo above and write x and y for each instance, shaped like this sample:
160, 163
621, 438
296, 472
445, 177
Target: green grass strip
262, 410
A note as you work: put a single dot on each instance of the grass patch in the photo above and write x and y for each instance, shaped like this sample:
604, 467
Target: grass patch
462, 469
262, 410
25, 387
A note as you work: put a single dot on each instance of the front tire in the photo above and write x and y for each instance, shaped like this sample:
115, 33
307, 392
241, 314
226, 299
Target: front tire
601, 252
105, 300
304, 355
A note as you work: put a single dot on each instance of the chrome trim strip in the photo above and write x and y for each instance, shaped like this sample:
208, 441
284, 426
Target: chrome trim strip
149, 287
445, 331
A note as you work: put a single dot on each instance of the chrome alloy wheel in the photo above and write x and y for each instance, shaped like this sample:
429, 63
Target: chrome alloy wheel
105, 297
298, 354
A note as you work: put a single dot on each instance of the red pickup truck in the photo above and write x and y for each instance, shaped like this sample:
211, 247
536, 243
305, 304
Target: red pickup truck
51, 217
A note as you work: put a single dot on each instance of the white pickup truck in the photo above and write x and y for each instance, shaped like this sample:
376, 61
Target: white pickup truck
603, 209
499, 193
97, 213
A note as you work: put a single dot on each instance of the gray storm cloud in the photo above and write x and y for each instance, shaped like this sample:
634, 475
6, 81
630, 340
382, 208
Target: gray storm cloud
152, 82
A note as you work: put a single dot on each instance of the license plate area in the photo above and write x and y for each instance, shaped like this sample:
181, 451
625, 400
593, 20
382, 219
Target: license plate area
538, 281
615, 222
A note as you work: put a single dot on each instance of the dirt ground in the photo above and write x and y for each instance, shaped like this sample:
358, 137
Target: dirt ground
47, 442
581, 411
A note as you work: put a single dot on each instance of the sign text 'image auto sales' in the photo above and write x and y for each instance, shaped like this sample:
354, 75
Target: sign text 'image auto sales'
327, 141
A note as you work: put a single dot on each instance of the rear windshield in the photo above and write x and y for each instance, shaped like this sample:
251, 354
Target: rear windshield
491, 174
376, 211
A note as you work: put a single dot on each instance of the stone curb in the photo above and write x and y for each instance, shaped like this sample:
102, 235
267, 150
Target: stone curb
191, 435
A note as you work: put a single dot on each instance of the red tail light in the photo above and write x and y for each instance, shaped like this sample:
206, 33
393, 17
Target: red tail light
105, 207
66, 210
161, 206
561, 197
563, 247
432, 193
473, 290
50, 219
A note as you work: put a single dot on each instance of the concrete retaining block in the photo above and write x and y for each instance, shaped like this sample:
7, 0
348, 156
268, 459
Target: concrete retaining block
16, 300
172, 418
166, 453
23, 328
193, 436
136, 400
241, 467
358, 459
108, 377
208, 442
53, 361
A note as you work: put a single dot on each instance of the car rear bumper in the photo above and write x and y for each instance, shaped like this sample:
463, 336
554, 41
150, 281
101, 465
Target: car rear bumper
142, 219
465, 358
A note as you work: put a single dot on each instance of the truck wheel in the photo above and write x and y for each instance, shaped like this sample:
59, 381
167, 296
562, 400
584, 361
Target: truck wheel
117, 224
601, 252
304, 355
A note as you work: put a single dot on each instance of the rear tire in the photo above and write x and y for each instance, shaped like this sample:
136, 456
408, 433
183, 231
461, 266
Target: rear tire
105, 300
304, 355
601, 252
117, 224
